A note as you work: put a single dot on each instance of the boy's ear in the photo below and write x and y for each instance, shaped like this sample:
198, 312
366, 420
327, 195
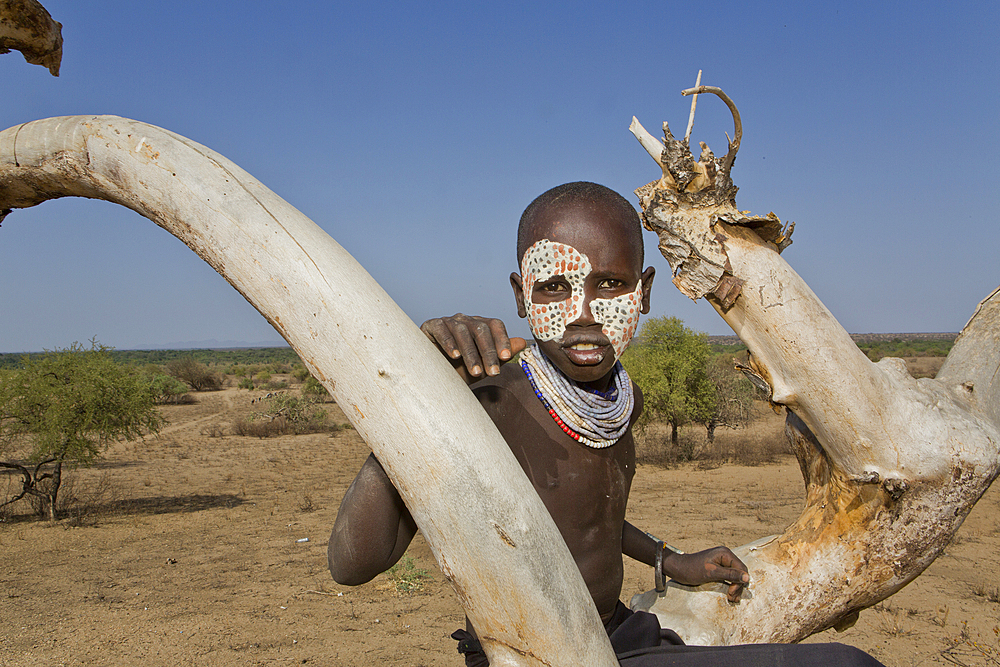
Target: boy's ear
647, 286
515, 283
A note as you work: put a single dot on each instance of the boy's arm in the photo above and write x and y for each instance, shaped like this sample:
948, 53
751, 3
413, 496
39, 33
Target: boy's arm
372, 530
473, 344
716, 564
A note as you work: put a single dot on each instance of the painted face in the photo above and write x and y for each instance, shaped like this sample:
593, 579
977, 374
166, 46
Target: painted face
545, 260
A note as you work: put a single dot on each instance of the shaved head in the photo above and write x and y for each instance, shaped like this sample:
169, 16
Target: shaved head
579, 194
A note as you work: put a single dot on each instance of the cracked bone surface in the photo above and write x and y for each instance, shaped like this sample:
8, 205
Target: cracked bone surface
892, 465
487, 528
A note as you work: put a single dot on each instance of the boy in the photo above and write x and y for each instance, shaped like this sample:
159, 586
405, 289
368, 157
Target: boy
566, 409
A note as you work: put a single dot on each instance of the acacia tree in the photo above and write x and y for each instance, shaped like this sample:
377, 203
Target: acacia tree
195, 373
734, 395
668, 361
68, 406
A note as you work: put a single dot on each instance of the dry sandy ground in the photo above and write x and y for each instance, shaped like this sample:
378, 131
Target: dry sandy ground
197, 557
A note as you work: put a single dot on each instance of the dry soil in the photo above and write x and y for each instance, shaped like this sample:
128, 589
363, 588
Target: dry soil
194, 548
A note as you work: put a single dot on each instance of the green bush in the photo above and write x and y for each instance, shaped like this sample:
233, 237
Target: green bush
312, 387
669, 363
275, 385
169, 390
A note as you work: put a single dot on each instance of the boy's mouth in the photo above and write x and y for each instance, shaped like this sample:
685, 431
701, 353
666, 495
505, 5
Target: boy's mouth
586, 353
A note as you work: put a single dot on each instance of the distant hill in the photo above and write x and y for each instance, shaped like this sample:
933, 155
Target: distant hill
862, 338
211, 344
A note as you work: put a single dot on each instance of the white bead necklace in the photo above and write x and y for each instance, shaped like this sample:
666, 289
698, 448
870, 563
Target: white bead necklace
596, 419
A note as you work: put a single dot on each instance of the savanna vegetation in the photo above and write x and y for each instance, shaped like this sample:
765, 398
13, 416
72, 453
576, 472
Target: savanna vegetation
690, 383
193, 543
61, 409
685, 382
64, 408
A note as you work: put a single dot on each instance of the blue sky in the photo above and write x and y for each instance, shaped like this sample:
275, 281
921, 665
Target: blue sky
416, 133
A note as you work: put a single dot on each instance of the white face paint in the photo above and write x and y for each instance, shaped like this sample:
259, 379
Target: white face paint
545, 260
619, 317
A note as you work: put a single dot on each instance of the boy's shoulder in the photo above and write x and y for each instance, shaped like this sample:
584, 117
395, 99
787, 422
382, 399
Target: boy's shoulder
511, 384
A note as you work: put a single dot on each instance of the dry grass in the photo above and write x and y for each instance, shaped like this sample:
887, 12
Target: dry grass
893, 621
991, 593
760, 443
924, 367
262, 428
89, 501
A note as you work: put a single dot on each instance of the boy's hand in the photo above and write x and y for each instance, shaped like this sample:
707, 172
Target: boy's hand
473, 343
716, 564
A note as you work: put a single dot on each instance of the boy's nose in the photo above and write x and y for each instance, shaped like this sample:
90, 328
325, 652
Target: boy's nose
586, 316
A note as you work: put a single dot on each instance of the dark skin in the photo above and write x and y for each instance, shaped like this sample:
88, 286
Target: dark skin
584, 489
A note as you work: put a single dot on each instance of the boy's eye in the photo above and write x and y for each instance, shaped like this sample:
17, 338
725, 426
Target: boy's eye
610, 283
553, 287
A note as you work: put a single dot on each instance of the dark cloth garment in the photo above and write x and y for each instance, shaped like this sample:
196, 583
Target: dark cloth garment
638, 641
750, 655
628, 630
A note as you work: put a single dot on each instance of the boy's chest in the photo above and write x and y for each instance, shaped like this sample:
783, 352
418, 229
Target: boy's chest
587, 488
580, 485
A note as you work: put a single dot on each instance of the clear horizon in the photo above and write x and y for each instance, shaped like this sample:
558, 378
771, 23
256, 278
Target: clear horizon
415, 135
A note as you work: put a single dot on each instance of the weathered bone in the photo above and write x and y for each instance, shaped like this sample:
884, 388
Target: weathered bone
27, 27
489, 531
892, 465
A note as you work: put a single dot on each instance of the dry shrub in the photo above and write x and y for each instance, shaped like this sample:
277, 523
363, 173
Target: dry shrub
652, 446
306, 503
892, 621
747, 447
87, 501
284, 413
924, 367
179, 399
991, 593
274, 385
213, 431
262, 428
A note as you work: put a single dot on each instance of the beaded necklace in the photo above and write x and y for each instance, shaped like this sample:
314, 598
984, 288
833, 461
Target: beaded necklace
594, 418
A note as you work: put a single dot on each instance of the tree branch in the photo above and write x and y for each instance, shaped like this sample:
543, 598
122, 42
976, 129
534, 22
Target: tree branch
27, 27
694, 106
734, 145
26, 481
892, 464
